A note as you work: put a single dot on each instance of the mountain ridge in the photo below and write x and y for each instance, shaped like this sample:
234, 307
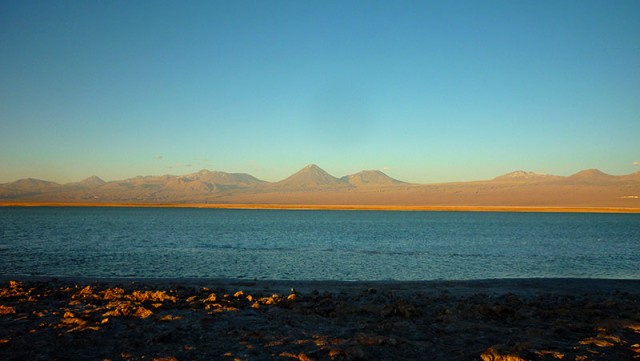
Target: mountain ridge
313, 185
314, 173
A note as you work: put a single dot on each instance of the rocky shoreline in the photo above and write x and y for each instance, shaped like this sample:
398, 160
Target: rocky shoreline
540, 319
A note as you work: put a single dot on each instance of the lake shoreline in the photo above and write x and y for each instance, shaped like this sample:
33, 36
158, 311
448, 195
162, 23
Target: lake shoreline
430, 208
531, 285
175, 319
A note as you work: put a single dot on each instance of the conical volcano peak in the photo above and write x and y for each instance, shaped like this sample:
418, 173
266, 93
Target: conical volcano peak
93, 180
309, 176
312, 168
591, 173
315, 170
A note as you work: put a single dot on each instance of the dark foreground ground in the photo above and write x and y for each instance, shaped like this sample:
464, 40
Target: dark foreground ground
557, 319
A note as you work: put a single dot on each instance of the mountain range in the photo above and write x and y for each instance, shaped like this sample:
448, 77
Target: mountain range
314, 186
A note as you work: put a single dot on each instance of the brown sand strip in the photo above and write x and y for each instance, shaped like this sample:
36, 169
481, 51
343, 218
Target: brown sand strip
333, 207
536, 319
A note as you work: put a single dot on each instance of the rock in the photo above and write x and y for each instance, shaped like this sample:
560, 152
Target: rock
113, 294
156, 296
301, 356
142, 312
491, 354
270, 300
212, 298
7, 310
86, 291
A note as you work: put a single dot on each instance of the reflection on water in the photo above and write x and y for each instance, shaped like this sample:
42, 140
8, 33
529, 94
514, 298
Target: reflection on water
336, 245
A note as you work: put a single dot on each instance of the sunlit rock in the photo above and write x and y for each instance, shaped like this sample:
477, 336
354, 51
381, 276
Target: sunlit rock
142, 312
492, 354
7, 310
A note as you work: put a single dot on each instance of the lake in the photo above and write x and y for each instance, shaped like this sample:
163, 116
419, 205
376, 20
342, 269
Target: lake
315, 245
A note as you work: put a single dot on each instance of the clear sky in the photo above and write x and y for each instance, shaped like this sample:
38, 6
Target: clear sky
426, 91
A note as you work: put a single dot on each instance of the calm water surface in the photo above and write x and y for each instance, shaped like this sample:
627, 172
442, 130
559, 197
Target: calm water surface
319, 245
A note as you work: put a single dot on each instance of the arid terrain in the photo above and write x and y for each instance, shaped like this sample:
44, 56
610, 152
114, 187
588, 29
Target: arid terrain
313, 187
515, 320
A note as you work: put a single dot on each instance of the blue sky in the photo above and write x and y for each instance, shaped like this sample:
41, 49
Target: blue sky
426, 91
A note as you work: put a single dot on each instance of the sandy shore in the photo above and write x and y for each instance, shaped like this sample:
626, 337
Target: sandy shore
333, 207
538, 319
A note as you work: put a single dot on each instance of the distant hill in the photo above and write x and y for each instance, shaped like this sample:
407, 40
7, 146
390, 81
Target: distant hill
225, 179
31, 185
592, 176
631, 177
27, 187
524, 176
314, 186
370, 178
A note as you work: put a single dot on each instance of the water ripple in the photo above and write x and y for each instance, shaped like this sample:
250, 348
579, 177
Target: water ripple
336, 245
